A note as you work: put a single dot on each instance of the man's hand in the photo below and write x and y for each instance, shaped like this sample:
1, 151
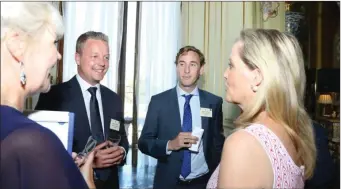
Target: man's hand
109, 156
183, 140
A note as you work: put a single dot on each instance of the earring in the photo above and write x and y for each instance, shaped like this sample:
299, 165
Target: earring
254, 88
22, 74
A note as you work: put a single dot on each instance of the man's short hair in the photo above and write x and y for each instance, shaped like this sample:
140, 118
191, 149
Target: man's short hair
188, 48
89, 35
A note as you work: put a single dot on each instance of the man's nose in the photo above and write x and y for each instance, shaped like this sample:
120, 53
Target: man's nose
102, 61
187, 69
226, 74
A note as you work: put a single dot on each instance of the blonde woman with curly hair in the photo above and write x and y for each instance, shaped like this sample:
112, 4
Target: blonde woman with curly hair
273, 145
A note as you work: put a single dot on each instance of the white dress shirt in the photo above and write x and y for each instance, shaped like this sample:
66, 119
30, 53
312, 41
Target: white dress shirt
87, 96
198, 163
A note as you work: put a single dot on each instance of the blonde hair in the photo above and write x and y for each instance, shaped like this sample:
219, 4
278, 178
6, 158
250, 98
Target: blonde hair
30, 17
281, 94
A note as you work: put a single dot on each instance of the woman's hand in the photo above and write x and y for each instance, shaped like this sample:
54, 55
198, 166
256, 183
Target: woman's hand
79, 160
87, 170
85, 166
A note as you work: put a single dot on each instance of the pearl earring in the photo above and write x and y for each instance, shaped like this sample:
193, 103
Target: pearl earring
22, 74
254, 88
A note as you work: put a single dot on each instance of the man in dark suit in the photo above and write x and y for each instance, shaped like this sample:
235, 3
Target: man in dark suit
172, 116
324, 172
98, 110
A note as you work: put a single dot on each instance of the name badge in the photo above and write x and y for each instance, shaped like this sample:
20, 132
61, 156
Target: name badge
114, 125
205, 112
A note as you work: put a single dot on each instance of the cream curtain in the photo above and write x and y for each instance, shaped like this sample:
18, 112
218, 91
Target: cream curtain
159, 41
213, 28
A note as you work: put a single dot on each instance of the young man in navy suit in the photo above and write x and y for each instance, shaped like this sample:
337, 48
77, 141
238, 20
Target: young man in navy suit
172, 116
98, 110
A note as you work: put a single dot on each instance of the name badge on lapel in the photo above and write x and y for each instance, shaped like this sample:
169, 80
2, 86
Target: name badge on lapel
205, 112
114, 125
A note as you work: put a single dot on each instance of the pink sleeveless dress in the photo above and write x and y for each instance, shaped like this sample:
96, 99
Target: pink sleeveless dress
286, 173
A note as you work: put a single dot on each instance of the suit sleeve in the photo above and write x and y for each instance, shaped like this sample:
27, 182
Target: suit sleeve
124, 140
47, 101
148, 142
324, 171
218, 139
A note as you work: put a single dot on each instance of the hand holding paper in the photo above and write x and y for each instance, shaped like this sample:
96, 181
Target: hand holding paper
197, 132
183, 140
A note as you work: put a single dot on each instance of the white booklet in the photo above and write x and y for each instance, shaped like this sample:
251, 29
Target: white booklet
59, 122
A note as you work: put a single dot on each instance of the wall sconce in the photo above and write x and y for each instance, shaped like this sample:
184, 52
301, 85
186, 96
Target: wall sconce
324, 99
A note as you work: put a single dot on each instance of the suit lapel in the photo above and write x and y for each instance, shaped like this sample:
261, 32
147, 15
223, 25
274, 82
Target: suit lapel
106, 110
174, 110
78, 106
204, 103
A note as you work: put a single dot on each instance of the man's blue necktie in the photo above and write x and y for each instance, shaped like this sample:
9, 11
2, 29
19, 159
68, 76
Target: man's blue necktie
186, 127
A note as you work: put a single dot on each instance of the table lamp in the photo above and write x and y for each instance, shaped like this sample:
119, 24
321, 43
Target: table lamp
324, 99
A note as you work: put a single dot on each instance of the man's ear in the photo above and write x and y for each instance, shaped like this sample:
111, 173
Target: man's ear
202, 69
16, 42
77, 58
257, 77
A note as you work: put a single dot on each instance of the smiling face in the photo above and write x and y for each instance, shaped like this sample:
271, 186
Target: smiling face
38, 65
188, 69
93, 61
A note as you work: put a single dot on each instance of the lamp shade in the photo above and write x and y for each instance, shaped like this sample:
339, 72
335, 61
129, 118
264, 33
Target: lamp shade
325, 99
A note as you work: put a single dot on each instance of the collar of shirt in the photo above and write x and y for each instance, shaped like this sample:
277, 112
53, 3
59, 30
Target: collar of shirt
85, 85
181, 92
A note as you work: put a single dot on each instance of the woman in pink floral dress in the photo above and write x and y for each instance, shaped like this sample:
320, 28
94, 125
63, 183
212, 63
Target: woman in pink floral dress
273, 145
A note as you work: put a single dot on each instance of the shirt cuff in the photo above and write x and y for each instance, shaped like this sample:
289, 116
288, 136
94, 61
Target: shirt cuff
168, 151
125, 153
